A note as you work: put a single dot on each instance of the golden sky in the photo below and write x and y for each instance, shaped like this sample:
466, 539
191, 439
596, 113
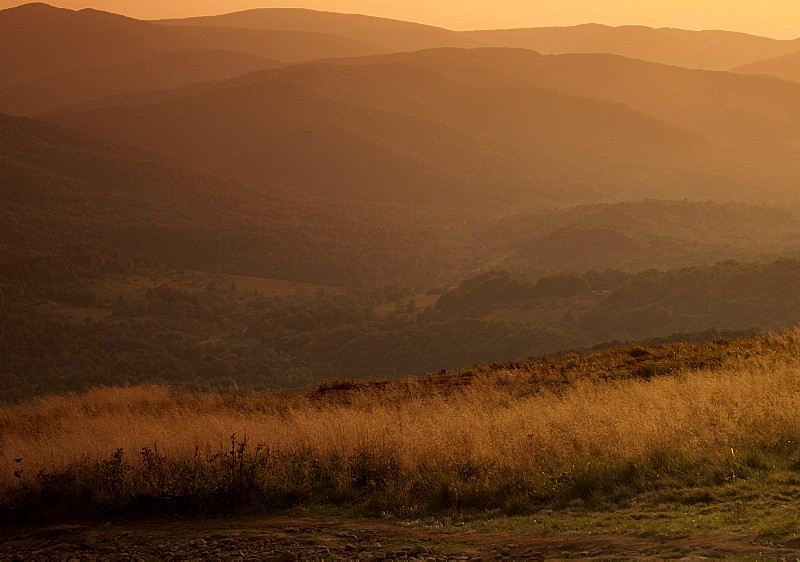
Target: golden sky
773, 18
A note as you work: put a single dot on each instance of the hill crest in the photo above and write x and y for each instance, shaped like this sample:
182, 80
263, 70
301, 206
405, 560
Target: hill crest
708, 49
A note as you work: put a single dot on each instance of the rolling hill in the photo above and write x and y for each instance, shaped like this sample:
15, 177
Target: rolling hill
33, 38
201, 213
163, 71
109, 54
727, 107
188, 152
92, 230
51, 56
391, 133
640, 235
384, 35
709, 50
471, 128
786, 67
285, 46
74, 206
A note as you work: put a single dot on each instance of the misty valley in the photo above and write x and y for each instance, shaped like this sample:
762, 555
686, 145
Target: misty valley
309, 221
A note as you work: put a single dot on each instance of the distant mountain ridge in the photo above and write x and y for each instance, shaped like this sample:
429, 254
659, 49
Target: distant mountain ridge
483, 130
38, 39
708, 50
786, 67
480, 127
728, 107
387, 35
37, 72
52, 56
387, 133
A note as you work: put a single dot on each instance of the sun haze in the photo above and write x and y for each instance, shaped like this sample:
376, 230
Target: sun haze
771, 18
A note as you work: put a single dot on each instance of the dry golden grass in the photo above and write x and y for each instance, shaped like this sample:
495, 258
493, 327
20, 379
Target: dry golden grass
704, 413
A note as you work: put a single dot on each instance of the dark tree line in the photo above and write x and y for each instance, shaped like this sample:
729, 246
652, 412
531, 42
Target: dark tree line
227, 338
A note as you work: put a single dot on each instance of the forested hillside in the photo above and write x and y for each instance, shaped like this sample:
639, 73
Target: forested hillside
208, 332
481, 130
75, 207
273, 198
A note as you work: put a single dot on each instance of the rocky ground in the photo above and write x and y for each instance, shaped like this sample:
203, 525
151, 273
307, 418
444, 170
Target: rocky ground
350, 539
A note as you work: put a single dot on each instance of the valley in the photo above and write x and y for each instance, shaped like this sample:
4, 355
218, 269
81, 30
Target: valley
327, 284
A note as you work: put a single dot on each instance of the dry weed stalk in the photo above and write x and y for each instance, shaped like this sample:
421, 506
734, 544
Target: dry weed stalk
694, 413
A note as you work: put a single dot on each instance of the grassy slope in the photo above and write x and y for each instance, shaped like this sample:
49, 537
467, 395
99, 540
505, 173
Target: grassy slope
579, 435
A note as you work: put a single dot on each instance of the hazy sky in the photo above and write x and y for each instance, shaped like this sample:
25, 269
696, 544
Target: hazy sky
774, 18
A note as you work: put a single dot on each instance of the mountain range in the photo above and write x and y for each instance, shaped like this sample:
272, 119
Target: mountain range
74, 206
38, 73
275, 196
422, 122
478, 128
708, 50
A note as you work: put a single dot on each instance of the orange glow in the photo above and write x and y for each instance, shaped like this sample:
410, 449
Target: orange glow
772, 18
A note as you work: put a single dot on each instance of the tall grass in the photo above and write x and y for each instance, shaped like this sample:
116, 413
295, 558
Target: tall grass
402, 447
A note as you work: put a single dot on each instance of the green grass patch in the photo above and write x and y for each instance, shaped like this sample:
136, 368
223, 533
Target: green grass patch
755, 492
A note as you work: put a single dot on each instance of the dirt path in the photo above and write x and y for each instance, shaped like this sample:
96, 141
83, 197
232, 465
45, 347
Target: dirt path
335, 538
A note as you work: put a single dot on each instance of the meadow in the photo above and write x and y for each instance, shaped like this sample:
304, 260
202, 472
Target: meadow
574, 431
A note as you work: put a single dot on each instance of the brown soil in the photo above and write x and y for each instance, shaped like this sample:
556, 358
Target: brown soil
321, 538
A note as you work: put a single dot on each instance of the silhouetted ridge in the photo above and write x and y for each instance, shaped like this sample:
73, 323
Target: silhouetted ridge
50, 57
386, 34
711, 49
